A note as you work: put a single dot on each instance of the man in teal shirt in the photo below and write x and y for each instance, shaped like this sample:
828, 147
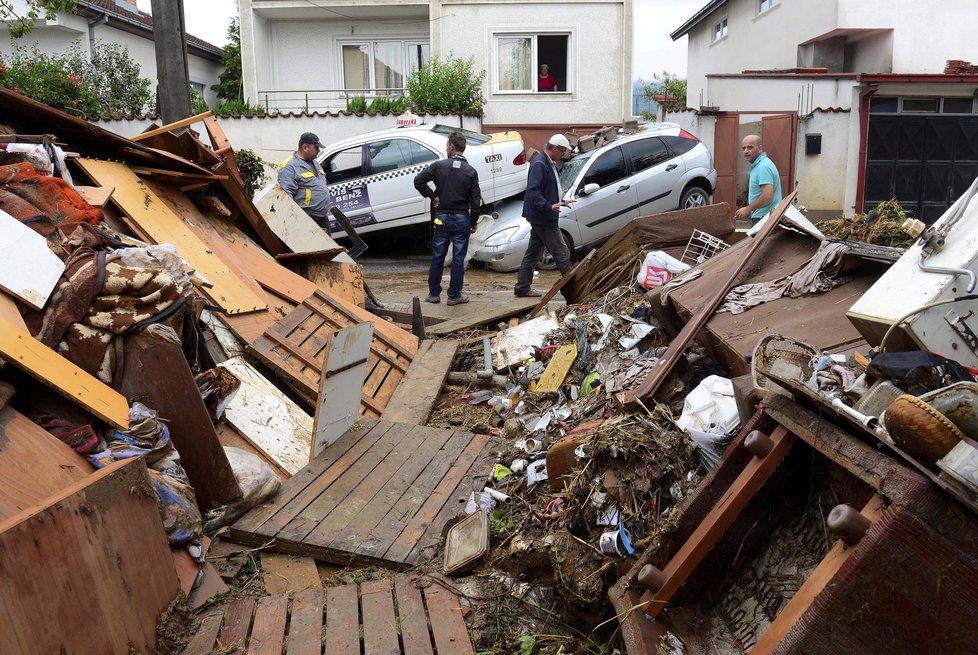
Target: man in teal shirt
764, 191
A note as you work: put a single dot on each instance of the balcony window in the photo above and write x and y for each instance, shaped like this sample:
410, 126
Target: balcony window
380, 67
520, 59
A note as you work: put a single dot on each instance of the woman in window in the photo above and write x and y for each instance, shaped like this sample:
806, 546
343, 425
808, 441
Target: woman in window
546, 81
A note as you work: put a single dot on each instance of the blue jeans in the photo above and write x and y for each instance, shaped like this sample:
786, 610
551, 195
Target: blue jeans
454, 229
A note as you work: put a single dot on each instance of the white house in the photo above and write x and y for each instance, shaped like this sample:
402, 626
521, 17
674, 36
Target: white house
116, 21
298, 55
855, 93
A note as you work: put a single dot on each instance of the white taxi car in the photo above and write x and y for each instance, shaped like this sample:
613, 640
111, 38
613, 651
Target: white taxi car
371, 176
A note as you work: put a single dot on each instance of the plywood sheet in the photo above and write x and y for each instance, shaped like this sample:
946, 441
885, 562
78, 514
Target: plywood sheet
96, 196
268, 419
101, 539
144, 208
558, 368
344, 368
28, 268
18, 347
10, 312
292, 225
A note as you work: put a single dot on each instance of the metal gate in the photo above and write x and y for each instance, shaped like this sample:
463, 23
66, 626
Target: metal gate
925, 162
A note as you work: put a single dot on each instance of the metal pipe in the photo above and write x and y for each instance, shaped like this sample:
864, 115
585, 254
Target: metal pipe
870, 422
948, 271
486, 354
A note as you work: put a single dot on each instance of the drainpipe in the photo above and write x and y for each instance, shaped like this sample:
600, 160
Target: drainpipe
92, 24
863, 145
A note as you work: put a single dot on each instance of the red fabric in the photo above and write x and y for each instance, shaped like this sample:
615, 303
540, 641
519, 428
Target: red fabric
50, 196
548, 83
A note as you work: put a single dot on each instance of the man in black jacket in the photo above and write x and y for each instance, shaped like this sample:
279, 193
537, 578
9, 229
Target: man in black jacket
541, 207
456, 199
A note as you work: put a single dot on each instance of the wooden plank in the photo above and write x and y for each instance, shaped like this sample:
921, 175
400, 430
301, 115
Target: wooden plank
486, 315
146, 209
33, 463
559, 284
30, 270
812, 587
379, 622
96, 196
268, 631
328, 253
142, 170
237, 624
299, 483
664, 365
346, 526
558, 368
169, 127
242, 202
720, 518
102, 539
447, 624
295, 227
286, 574
417, 392
25, 352
344, 482
228, 436
338, 403
416, 527
412, 617
342, 621
10, 312
306, 622
207, 585
268, 419
202, 643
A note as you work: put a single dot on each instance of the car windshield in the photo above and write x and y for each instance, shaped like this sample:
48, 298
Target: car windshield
570, 170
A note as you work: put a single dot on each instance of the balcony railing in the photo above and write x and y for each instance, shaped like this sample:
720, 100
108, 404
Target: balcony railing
320, 99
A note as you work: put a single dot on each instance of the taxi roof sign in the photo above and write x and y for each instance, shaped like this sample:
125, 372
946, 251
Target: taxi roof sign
408, 118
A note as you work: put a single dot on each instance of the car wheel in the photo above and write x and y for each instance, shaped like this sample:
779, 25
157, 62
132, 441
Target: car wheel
694, 196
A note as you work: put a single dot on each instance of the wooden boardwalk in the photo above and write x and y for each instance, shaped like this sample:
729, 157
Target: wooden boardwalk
379, 617
379, 495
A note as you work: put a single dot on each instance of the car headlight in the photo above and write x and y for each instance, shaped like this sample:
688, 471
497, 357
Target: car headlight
502, 237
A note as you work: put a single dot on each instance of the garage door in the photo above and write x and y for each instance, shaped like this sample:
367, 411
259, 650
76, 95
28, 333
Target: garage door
925, 162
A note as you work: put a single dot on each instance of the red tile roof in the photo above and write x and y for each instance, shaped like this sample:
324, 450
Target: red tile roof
112, 8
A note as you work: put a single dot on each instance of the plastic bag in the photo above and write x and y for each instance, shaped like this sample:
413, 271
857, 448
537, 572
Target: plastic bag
709, 416
658, 268
258, 483
37, 156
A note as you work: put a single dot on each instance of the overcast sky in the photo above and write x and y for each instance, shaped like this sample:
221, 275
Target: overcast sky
654, 51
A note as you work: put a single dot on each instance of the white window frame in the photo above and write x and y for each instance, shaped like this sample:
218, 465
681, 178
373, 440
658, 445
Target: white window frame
771, 4
534, 63
721, 27
405, 44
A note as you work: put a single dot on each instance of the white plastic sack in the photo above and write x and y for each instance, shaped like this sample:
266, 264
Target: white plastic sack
658, 268
37, 156
709, 416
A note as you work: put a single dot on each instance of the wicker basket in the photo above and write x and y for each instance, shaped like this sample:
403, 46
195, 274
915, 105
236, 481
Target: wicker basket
920, 430
783, 358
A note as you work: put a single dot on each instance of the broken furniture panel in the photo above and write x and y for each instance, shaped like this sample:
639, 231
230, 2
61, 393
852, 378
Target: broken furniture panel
379, 495
268, 419
97, 196
287, 220
294, 347
30, 270
515, 344
19, 348
10, 312
34, 464
558, 368
94, 559
340, 383
617, 261
417, 393
156, 374
149, 215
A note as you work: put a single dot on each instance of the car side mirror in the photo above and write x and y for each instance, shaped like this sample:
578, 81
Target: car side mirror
589, 189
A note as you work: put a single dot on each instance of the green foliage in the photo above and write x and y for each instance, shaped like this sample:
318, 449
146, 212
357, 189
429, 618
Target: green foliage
648, 116
500, 524
231, 87
50, 79
667, 85
447, 87
22, 22
389, 104
239, 108
197, 103
356, 104
107, 85
528, 644
254, 170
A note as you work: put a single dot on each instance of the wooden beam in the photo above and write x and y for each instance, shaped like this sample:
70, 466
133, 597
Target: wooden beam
294, 256
559, 284
172, 126
720, 518
416, 394
140, 170
663, 366
812, 587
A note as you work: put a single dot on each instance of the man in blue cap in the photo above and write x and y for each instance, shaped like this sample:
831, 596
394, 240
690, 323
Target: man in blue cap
303, 178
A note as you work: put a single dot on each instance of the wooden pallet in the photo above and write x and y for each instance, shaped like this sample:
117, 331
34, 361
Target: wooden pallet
380, 616
413, 400
380, 495
295, 347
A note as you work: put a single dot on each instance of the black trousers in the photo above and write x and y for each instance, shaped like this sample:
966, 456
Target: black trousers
541, 237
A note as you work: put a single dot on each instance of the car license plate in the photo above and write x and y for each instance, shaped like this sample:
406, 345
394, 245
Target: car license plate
492, 158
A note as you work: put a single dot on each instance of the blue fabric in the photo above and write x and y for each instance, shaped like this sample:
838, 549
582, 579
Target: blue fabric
763, 171
542, 193
454, 229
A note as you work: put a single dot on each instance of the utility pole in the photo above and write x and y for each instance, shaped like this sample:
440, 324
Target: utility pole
173, 77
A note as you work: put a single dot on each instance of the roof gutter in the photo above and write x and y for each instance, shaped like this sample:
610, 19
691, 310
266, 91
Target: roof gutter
684, 29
